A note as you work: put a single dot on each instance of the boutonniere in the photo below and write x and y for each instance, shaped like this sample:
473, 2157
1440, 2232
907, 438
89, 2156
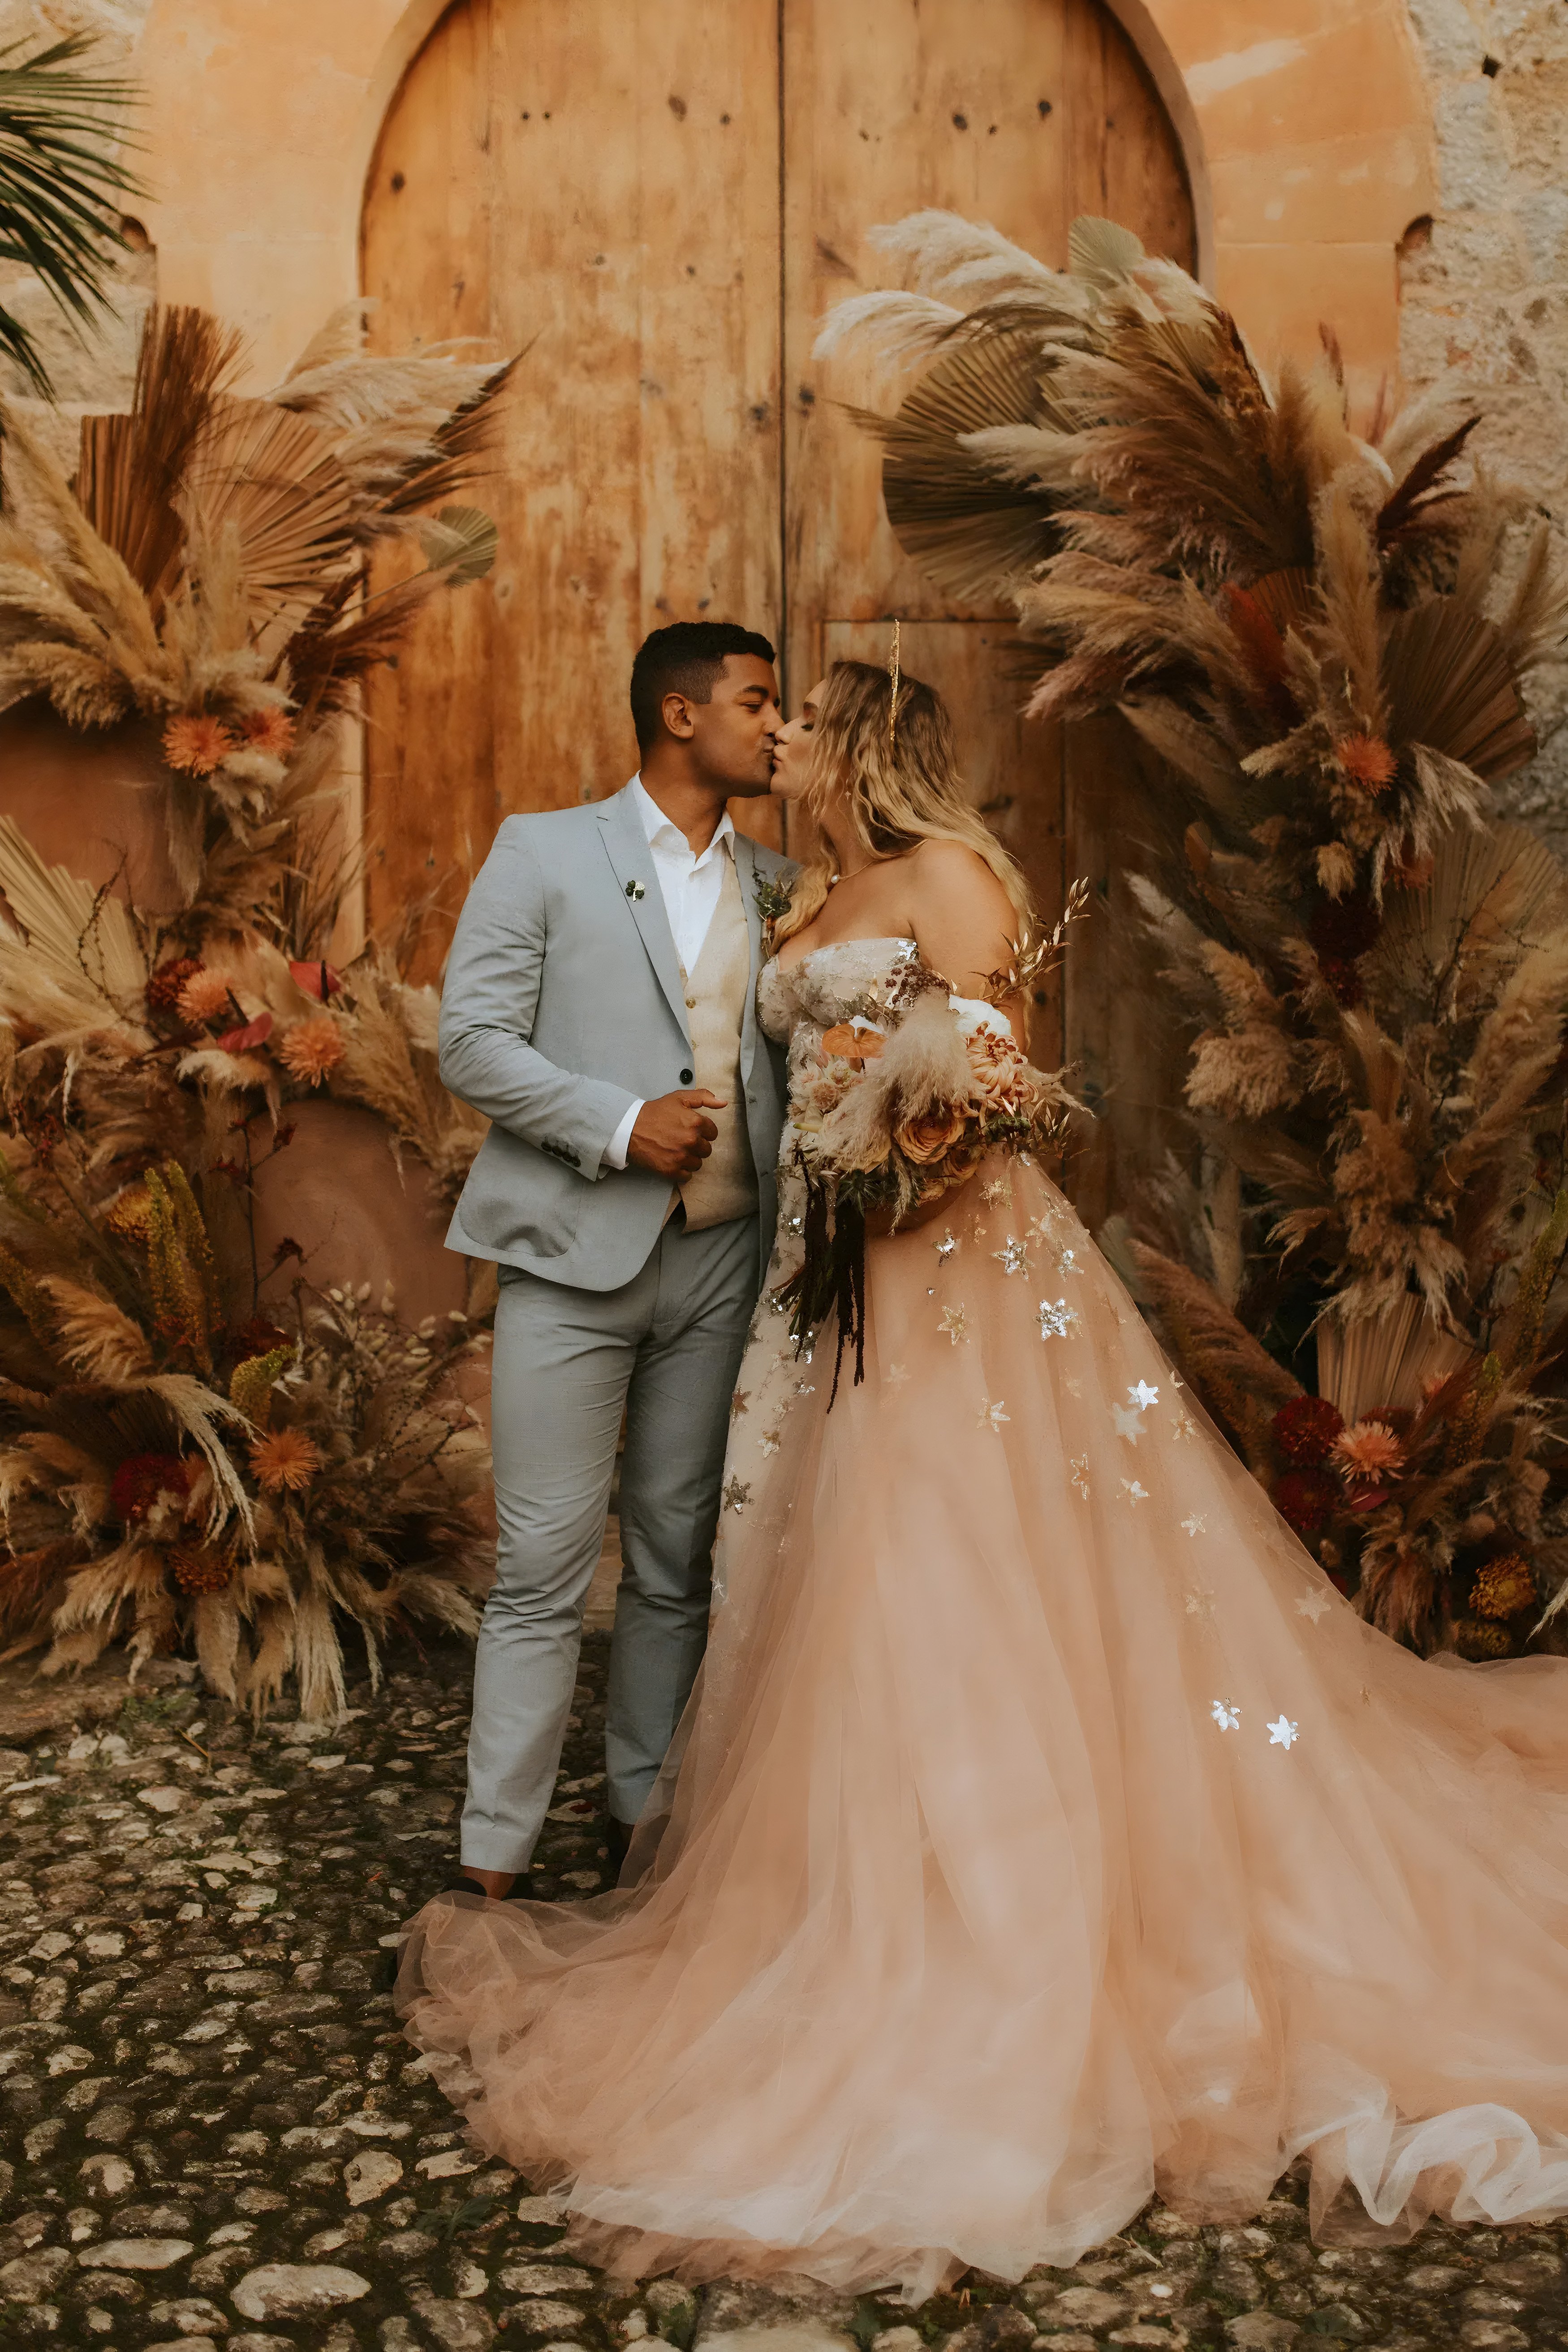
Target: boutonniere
773, 902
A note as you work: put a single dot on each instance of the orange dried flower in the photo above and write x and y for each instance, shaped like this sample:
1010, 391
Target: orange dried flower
196, 743
129, 1214
932, 1135
312, 1048
1503, 1587
1366, 760
286, 1460
1475, 1639
197, 1568
205, 995
1368, 1451
271, 732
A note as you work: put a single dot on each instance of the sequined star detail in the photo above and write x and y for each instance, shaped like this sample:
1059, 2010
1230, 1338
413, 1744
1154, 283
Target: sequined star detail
769, 1441
1185, 1426
1134, 1493
1200, 1601
805, 1388
736, 1494
1013, 1258
994, 1189
1056, 1319
1143, 1395
952, 1325
991, 1416
1129, 1421
1282, 1733
1081, 1474
895, 1375
739, 1403
1196, 1525
1073, 1386
1227, 1717
1067, 1263
1311, 1605
946, 1246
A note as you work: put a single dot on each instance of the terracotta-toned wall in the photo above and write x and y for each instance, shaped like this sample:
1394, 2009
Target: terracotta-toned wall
1307, 126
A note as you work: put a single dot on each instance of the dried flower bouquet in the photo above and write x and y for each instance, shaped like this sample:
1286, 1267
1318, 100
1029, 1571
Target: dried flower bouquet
1328, 638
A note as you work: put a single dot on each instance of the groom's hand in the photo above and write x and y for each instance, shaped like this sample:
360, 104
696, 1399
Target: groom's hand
671, 1136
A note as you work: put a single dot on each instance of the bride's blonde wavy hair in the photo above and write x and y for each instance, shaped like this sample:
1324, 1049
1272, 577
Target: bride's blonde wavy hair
901, 792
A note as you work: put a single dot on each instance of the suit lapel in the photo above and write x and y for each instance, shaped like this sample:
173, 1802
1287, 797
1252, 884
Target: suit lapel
746, 877
627, 846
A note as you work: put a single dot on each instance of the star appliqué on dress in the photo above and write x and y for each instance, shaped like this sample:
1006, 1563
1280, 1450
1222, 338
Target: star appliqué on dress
1227, 1717
1143, 1395
1282, 1733
736, 1496
1200, 1601
994, 1189
1081, 1474
1013, 1258
1134, 1493
1311, 1605
769, 1441
991, 1416
739, 1403
895, 1375
951, 1326
1056, 1319
1067, 1263
1185, 1426
945, 1247
1129, 1421
1196, 1525
1073, 1386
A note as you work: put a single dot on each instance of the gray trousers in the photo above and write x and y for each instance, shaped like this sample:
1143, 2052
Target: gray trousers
665, 1348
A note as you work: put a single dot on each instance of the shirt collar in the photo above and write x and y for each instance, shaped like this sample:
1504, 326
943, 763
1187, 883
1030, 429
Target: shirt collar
663, 834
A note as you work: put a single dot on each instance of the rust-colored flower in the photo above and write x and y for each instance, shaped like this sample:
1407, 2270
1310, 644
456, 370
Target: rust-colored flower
129, 1214
1475, 1638
1305, 1499
313, 1049
848, 1044
197, 1568
1504, 1586
271, 732
196, 743
933, 1134
144, 1480
168, 983
285, 1461
1305, 1429
1367, 1451
1366, 761
205, 995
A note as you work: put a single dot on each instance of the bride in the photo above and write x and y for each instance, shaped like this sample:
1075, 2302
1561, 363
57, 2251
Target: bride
1045, 1828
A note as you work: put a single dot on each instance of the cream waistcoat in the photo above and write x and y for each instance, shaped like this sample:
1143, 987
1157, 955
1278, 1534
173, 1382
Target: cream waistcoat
725, 1186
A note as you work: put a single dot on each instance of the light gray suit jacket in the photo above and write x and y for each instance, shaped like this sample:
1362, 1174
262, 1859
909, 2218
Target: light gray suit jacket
562, 1004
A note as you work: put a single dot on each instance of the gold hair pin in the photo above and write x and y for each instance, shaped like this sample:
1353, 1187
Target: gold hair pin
893, 697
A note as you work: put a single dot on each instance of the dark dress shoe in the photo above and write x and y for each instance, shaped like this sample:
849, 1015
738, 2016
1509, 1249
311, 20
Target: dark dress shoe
618, 1838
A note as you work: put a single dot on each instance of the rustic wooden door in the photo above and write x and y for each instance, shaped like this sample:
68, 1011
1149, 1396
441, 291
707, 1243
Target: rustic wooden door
656, 200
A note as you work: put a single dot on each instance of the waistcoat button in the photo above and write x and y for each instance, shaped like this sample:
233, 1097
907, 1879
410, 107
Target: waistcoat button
686, 1077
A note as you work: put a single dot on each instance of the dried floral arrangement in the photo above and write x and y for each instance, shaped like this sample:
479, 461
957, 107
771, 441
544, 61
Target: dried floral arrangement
196, 1446
1360, 1264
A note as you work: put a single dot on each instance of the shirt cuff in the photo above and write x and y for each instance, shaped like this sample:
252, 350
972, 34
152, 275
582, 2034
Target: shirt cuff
615, 1151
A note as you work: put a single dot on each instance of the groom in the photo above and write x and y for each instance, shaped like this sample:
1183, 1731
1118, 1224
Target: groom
598, 1008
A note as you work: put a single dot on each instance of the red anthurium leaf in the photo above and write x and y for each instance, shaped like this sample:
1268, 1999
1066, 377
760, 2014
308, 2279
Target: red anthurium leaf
254, 1033
318, 980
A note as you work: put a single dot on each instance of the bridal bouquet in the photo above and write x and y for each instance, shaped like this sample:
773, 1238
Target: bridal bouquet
888, 1118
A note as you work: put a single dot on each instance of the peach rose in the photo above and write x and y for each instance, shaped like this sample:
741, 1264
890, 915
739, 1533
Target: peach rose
932, 1135
851, 1045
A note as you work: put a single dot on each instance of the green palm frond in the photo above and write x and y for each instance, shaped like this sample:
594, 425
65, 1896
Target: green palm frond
59, 185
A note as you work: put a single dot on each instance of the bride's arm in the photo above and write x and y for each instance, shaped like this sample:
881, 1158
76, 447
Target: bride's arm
964, 926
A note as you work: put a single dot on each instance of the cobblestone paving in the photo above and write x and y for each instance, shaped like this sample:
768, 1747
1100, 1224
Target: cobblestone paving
216, 2136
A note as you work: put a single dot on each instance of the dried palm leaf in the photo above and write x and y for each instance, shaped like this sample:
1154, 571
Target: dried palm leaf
1449, 685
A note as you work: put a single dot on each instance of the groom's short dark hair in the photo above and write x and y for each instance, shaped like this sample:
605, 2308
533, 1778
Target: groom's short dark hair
685, 658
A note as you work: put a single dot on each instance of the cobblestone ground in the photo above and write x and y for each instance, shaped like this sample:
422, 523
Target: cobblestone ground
217, 2136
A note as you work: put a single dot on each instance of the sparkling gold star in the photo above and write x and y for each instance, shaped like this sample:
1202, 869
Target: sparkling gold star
1311, 1605
991, 1416
994, 1189
1013, 1258
895, 1375
1196, 1525
736, 1496
1134, 1493
952, 1325
769, 1441
1200, 1601
945, 1247
1081, 1474
739, 1403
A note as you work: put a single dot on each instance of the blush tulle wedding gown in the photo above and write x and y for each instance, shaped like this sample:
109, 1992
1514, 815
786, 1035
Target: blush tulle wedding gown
1045, 1828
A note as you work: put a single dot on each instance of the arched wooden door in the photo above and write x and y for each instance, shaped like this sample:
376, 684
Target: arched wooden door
658, 200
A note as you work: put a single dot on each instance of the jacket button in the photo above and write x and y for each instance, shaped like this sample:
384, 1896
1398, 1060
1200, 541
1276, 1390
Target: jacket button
686, 1077
690, 1003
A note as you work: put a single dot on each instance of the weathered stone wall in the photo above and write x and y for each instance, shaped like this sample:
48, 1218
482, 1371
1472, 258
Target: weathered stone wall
95, 372
1485, 282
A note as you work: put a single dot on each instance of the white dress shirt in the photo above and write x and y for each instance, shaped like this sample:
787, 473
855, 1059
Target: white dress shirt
690, 885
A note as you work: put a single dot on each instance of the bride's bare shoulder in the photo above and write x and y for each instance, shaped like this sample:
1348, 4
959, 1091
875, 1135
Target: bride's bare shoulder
950, 878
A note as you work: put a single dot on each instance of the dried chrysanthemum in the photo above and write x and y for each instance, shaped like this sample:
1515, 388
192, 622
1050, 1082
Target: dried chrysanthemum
1305, 1428
128, 1215
1366, 761
168, 983
196, 743
1503, 1587
271, 732
285, 1461
1475, 1638
144, 1480
312, 1049
1369, 1450
197, 1568
205, 995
